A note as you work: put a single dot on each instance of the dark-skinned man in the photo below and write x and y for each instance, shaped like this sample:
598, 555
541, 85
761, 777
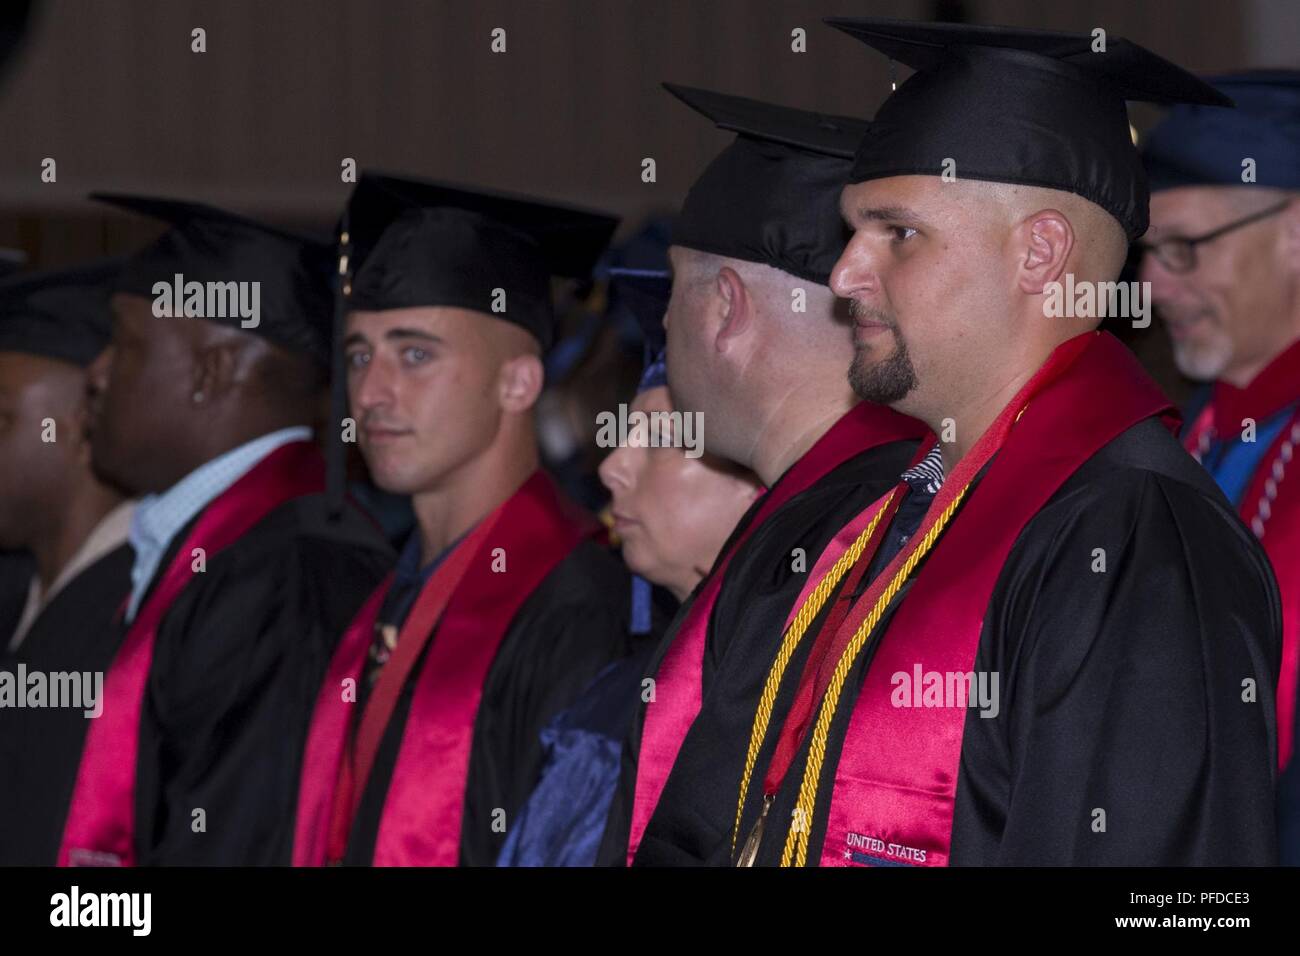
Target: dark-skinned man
504, 605
757, 347
54, 508
1223, 260
1053, 642
244, 577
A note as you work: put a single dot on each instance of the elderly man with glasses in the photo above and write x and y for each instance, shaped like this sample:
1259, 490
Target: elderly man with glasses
1223, 259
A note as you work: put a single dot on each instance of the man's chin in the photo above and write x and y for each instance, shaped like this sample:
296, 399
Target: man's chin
398, 479
107, 464
882, 381
1203, 364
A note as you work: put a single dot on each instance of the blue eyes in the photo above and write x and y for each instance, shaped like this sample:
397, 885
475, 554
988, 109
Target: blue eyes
411, 355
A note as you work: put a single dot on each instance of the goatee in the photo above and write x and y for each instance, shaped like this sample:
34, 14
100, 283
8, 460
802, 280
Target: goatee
884, 382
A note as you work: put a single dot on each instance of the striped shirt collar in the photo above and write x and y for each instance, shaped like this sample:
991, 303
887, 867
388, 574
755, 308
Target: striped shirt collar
926, 476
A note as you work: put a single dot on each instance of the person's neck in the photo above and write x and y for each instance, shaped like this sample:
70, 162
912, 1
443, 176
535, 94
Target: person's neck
75, 521
682, 589
793, 427
461, 500
223, 442
1241, 376
976, 415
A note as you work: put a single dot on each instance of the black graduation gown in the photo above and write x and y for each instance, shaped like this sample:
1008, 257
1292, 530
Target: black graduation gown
40, 749
566, 632
238, 661
1119, 690
16, 569
761, 585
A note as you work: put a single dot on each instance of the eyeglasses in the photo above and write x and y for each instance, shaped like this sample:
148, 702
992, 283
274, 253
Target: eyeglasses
1178, 253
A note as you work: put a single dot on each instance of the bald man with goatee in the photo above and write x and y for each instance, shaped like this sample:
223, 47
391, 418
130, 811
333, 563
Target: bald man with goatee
1052, 642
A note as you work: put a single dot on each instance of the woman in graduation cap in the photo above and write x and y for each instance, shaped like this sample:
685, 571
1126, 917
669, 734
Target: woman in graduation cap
74, 524
672, 512
242, 578
506, 602
1053, 642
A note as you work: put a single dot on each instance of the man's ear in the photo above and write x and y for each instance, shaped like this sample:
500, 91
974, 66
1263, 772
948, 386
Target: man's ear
735, 305
79, 420
520, 382
1043, 243
214, 371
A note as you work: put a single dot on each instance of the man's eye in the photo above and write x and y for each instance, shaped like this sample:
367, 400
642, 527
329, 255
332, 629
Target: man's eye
414, 355
902, 233
357, 359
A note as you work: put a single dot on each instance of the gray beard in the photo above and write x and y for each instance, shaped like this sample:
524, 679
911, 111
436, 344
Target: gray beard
884, 382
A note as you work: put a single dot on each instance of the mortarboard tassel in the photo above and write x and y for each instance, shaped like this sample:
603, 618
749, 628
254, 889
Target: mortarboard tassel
336, 452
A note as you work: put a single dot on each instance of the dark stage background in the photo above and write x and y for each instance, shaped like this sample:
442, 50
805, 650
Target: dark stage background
287, 88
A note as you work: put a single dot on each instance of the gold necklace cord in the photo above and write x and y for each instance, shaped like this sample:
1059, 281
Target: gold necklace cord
802, 620
796, 844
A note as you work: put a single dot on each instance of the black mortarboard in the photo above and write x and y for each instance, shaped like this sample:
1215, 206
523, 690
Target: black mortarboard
61, 314
205, 244
1205, 145
644, 293
1011, 105
417, 243
773, 194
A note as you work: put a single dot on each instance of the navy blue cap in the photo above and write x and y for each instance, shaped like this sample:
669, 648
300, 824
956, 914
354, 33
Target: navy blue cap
645, 294
1198, 145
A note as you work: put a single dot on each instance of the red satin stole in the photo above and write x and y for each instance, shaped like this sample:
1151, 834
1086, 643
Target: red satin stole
532, 532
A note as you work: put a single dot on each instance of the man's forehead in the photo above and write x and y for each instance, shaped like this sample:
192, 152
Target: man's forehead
434, 319
1200, 203
894, 196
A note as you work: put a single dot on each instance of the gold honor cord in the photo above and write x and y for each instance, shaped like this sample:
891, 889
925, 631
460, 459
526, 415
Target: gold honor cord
796, 843
807, 614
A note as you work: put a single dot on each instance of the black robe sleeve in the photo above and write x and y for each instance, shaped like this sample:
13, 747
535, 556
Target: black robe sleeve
1136, 719
568, 631
237, 665
40, 748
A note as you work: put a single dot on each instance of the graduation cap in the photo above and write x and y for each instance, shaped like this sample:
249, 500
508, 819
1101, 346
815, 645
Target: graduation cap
1205, 145
210, 245
419, 243
644, 293
772, 196
61, 314
1019, 106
